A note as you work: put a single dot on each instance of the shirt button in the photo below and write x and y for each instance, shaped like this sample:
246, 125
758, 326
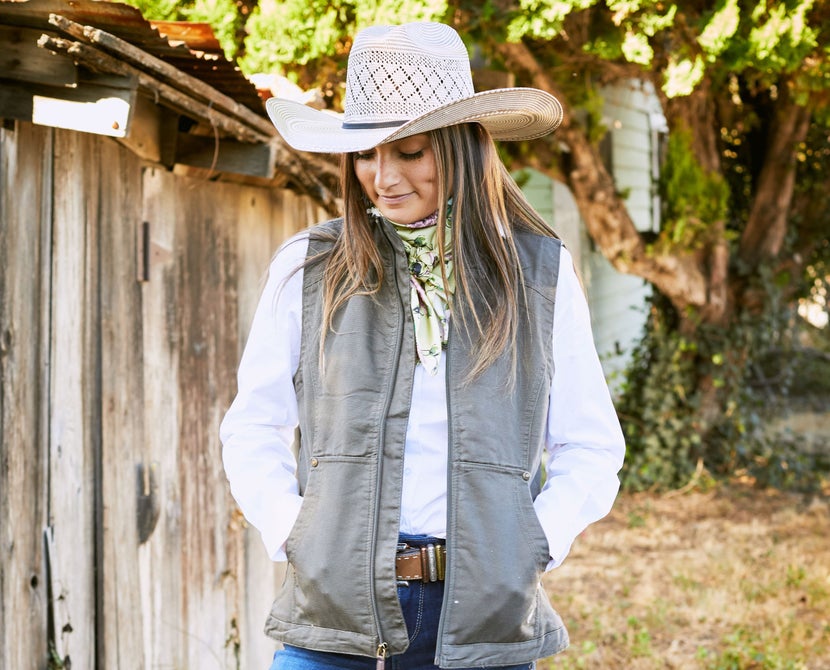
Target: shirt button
526, 476
314, 462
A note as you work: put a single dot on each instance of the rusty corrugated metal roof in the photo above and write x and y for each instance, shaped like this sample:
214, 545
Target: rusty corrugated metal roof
191, 48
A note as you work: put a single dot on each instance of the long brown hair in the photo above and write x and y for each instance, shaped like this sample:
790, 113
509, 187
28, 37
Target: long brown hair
487, 206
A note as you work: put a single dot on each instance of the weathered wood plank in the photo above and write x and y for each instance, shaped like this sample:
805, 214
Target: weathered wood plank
219, 110
123, 493
31, 13
25, 201
74, 409
163, 578
207, 331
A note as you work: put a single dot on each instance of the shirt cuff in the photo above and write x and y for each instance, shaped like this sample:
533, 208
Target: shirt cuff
275, 536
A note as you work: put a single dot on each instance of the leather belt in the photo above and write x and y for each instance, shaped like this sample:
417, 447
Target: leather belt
426, 564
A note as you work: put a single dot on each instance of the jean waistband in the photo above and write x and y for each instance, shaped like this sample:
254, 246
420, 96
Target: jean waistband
420, 540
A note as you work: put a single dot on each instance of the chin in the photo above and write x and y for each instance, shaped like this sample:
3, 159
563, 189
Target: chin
404, 218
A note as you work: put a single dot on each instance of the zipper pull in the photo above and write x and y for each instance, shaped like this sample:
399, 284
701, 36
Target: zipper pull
381, 664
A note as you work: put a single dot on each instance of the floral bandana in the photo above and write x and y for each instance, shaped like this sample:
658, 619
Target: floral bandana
428, 295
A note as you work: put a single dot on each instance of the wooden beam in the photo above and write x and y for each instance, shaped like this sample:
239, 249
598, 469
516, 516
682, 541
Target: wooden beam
22, 60
168, 136
103, 110
256, 160
144, 138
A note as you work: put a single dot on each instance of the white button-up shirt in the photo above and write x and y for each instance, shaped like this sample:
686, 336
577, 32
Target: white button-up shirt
584, 445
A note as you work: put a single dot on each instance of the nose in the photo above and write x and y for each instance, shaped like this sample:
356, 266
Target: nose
386, 172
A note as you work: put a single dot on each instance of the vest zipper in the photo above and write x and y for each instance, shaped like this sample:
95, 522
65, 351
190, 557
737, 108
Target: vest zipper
382, 648
447, 558
381, 656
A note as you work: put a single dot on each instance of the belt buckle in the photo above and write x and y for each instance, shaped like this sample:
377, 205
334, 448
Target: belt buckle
432, 559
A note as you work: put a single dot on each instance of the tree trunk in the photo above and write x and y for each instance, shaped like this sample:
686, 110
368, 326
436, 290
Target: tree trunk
766, 228
696, 112
719, 301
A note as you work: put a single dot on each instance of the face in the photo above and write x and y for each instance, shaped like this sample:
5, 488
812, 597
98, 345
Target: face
400, 178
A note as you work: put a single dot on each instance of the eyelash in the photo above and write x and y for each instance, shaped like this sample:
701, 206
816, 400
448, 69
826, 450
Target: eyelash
407, 157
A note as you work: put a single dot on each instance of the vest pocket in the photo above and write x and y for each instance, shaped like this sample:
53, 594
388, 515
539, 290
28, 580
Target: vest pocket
499, 553
329, 549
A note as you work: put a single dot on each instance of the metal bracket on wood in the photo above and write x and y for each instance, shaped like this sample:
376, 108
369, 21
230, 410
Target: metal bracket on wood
143, 252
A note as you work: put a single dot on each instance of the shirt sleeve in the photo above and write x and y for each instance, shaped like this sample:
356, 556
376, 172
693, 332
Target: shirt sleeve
257, 431
585, 444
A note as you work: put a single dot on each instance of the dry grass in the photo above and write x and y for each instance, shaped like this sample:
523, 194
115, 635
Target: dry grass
732, 578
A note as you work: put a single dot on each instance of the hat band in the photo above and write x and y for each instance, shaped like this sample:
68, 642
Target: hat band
368, 126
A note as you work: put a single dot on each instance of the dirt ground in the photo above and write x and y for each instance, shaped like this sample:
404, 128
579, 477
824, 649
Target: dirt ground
732, 578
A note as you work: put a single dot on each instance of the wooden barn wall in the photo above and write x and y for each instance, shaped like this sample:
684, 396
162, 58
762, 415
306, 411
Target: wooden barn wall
25, 202
113, 380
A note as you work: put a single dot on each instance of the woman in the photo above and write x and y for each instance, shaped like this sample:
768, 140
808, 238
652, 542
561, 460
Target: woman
431, 347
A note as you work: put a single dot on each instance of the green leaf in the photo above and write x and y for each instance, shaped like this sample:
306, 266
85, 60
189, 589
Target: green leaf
636, 49
720, 29
681, 77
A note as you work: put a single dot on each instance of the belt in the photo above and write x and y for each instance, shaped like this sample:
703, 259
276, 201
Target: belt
426, 564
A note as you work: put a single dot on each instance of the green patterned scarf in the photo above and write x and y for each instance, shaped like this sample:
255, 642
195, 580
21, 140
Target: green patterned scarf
429, 298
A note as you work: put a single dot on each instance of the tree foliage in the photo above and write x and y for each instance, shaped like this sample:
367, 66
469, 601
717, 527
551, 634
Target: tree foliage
300, 36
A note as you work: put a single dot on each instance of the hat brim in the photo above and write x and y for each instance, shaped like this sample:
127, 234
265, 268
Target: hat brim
507, 113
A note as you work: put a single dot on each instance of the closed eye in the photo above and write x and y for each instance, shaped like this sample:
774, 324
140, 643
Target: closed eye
413, 156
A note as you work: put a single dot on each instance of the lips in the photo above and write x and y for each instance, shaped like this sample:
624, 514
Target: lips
393, 199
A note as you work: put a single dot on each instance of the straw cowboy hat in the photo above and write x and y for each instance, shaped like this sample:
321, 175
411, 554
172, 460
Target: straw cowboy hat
409, 79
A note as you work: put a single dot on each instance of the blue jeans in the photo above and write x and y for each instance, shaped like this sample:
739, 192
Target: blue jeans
421, 605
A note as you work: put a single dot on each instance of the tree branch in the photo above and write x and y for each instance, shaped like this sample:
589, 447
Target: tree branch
677, 276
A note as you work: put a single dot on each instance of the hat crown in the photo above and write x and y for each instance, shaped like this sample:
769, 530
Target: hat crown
398, 73
410, 79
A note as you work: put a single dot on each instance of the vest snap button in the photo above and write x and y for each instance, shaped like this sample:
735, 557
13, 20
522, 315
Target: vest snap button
526, 476
314, 462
